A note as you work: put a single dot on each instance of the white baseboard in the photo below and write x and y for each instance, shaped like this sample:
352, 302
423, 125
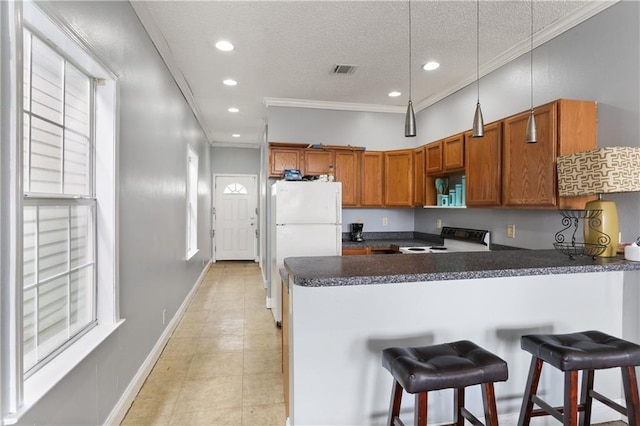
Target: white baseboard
129, 395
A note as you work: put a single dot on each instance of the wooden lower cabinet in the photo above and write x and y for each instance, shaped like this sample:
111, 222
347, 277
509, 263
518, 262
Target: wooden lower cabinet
483, 157
351, 251
529, 169
359, 251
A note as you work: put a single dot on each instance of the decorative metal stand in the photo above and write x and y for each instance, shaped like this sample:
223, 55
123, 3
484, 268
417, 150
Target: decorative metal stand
572, 248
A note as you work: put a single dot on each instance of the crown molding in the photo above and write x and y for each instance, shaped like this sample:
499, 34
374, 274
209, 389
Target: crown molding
339, 106
539, 38
148, 21
155, 34
544, 35
241, 145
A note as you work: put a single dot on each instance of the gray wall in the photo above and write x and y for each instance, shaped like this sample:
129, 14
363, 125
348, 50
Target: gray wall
235, 160
155, 126
597, 60
372, 130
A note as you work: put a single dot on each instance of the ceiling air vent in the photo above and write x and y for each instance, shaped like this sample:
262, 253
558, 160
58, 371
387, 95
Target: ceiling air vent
343, 69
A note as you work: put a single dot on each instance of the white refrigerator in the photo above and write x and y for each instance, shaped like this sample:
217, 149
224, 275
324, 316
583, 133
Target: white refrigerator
306, 221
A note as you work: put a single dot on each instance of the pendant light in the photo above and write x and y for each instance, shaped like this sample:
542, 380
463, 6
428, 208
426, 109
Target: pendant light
478, 121
410, 117
532, 130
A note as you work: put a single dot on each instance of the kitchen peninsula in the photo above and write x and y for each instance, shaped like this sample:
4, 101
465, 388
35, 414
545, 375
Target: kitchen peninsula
343, 310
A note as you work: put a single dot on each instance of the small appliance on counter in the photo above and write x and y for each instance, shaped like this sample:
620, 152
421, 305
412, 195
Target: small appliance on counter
356, 232
292, 174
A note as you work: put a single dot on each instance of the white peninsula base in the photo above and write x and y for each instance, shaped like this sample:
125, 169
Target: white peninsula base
337, 334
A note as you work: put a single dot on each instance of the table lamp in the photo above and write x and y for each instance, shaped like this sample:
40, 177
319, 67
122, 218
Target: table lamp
601, 171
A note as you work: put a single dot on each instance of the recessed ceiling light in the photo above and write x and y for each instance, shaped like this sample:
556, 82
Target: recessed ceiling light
430, 66
229, 82
394, 94
232, 109
235, 135
225, 46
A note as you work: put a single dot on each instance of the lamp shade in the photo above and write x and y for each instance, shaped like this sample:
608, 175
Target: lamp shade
601, 171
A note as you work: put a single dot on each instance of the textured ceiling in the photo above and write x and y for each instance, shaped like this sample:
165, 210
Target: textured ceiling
285, 50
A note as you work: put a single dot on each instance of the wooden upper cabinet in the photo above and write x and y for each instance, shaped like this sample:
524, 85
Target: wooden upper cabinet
347, 169
434, 157
419, 176
577, 132
281, 158
529, 175
453, 153
372, 179
398, 173
483, 157
529, 169
317, 161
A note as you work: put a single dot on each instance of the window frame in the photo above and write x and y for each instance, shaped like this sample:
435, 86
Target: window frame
192, 202
38, 199
21, 392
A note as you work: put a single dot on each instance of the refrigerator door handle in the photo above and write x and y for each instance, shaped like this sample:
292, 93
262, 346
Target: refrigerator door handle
338, 240
339, 208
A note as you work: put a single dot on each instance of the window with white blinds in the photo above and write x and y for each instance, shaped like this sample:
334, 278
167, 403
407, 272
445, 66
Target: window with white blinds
192, 202
59, 216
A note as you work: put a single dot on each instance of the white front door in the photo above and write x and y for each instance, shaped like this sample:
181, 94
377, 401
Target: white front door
235, 217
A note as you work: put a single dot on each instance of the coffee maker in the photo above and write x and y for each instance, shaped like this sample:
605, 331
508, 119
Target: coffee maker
356, 232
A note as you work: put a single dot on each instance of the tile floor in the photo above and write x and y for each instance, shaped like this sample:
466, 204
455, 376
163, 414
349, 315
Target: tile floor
222, 366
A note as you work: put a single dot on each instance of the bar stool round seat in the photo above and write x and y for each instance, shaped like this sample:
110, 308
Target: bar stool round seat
571, 353
456, 365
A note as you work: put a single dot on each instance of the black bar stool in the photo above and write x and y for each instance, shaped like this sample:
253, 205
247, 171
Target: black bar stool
457, 365
585, 351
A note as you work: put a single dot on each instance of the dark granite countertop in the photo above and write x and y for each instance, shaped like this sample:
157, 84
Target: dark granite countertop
397, 268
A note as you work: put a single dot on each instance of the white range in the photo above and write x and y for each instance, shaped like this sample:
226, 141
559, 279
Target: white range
455, 240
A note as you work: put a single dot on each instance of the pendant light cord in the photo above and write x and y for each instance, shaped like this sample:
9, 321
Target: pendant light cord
478, 47
531, 55
409, 50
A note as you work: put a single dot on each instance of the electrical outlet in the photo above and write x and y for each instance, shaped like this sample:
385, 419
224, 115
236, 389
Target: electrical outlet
511, 230
359, 220
438, 223
164, 316
385, 221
